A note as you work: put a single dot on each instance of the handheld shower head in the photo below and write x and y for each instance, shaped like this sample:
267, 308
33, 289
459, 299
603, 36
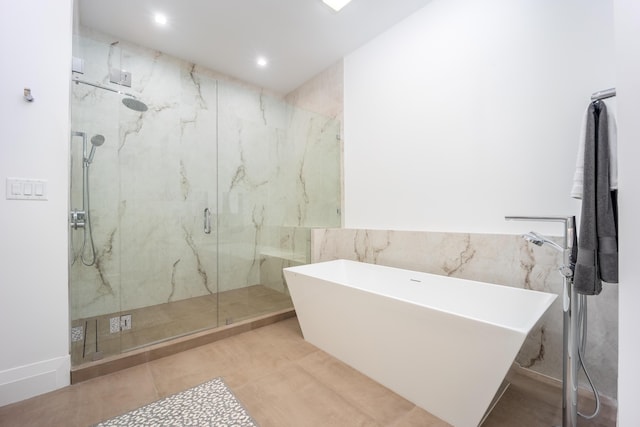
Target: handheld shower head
539, 240
534, 238
96, 141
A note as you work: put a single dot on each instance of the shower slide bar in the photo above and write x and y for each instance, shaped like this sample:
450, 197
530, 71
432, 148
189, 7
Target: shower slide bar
603, 94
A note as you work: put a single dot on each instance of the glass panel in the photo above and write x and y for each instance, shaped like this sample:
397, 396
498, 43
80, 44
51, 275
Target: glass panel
168, 179
150, 183
279, 175
95, 268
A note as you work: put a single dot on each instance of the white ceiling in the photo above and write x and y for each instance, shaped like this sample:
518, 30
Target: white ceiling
300, 38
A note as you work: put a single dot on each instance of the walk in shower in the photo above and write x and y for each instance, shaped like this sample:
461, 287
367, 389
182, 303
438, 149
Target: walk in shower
183, 214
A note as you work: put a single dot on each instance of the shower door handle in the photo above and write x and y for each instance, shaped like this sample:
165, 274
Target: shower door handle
207, 221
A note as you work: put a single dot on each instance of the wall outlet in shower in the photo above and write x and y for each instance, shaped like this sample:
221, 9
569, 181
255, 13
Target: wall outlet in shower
120, 323
125, 322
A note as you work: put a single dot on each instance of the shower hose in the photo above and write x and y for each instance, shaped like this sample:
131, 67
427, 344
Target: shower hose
582, 328
87, 230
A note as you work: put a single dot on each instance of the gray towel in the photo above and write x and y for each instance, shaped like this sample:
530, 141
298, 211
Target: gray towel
597, 243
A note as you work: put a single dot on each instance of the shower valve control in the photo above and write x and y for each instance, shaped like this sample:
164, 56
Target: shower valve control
78, 219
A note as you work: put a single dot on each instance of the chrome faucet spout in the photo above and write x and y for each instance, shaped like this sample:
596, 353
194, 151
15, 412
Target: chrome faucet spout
569, 225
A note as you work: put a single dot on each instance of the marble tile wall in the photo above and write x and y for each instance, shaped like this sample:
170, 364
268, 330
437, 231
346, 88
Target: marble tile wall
501, 259
267, 170
323, 94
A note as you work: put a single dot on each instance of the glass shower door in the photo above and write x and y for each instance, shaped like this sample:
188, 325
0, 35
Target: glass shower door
149, 184
168, 190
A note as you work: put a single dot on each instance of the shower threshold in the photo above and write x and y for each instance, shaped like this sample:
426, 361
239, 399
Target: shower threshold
165, 329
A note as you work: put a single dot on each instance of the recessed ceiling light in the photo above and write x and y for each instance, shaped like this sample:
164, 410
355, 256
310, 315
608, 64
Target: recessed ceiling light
336, 4
262, 62
160, 19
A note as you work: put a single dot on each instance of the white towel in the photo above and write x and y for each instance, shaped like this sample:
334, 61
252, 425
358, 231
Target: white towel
576, 190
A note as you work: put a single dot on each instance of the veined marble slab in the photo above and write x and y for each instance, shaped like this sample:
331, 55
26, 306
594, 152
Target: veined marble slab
268, 171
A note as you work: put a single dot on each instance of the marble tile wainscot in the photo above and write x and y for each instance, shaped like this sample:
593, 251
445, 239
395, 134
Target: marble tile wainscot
495, 258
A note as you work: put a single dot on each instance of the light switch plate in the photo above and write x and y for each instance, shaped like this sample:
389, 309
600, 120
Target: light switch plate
26, 189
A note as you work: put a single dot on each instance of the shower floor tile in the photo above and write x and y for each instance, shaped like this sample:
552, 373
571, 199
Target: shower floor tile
161, 322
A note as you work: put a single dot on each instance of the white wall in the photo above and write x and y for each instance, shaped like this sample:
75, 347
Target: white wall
442, 111
36, 49
627, 16
470, 110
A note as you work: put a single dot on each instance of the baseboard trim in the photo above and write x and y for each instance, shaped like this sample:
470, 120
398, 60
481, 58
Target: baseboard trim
27, 381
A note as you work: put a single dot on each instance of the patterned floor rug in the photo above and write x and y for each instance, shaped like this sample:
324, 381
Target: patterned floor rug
209, 404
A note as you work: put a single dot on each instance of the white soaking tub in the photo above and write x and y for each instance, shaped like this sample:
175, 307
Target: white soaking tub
443, 343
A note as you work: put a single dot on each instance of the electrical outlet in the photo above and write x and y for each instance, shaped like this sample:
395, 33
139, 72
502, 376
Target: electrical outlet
114, 325
125, 322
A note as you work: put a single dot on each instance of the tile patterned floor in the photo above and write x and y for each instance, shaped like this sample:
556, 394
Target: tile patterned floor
282, 381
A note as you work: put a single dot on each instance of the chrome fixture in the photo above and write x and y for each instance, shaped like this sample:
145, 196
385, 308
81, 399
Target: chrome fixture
604, 94
81, 218
96, 141
131, 102
77, 218
135, 104
77, 80
207, 221
27, 95
537, 239
571, 310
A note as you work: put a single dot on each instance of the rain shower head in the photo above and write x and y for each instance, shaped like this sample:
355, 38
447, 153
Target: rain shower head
135, 104
96, 141
539, 240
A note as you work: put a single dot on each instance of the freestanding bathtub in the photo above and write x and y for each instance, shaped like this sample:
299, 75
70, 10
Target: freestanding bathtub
443, 343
